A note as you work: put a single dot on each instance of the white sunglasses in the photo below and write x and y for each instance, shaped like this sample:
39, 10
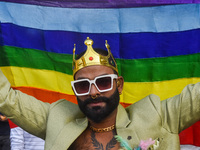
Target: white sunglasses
103, 83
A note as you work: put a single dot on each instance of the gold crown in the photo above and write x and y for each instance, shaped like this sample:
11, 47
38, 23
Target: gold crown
91, 57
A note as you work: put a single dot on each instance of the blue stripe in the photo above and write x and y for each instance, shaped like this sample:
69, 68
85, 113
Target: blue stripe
126, 45
122, 20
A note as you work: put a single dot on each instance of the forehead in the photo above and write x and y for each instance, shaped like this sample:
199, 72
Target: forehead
91, 72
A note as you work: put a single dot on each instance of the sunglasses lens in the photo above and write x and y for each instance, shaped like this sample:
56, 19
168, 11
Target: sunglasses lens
103, 83
82, 87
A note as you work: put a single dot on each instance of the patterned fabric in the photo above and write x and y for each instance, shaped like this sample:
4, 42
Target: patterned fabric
22, 140
189, 147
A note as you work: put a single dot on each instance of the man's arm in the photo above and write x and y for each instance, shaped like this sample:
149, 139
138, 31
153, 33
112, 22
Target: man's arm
24, 110
183, 110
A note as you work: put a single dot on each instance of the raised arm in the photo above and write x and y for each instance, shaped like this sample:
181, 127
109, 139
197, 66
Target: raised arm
24, 110
183, 110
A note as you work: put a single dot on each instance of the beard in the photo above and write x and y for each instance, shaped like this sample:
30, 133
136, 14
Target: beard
98, 113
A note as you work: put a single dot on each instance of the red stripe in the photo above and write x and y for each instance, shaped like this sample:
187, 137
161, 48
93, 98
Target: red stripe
191, 135
12, 125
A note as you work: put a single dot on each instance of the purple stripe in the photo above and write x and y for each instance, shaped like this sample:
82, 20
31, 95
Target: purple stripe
102, 3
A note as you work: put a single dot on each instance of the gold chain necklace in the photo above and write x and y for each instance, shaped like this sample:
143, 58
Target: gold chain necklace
102, 129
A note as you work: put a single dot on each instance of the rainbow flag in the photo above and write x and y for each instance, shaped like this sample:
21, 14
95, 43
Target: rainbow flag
156, 45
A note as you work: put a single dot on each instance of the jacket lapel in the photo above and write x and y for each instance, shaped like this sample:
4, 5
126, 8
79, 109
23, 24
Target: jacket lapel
69, 134
123, 127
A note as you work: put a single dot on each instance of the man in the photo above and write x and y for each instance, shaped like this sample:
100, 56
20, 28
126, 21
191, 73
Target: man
4, 133
99, 117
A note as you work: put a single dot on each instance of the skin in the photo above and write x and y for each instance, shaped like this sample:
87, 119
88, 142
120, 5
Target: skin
3, 118
93, 140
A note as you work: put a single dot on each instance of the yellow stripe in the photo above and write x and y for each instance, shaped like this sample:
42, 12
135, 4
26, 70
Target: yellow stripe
164, 89
59, 82
44, 79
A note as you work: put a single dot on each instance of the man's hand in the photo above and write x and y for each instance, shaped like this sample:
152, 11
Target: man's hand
3, 118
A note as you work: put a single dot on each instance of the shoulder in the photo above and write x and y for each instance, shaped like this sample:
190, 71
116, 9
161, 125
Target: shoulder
149, 101
148, 106
63, 107
63, 103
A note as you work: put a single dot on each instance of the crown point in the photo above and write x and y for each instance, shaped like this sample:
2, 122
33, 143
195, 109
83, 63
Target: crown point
74, 48
88, 41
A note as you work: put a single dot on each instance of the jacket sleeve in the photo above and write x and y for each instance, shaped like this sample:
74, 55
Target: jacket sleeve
183, 110
24, 110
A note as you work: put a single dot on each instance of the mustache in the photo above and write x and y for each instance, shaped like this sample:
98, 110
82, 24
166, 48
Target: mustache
98, 99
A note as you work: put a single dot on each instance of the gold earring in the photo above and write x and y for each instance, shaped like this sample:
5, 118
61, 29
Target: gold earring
118, 83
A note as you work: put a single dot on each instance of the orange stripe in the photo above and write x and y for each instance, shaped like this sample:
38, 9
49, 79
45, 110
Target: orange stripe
51, 96
125, 104
45, 95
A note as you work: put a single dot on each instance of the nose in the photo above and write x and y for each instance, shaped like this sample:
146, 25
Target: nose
94, 91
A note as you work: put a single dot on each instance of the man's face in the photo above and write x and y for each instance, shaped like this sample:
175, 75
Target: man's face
106, 102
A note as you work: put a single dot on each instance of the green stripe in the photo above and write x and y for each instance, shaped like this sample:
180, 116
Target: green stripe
160, 69
30, 58
137, 70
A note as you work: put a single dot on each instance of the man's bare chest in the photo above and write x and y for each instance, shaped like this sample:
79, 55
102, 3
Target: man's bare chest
90, 140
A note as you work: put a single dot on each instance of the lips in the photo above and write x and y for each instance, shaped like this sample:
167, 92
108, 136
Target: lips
95, 104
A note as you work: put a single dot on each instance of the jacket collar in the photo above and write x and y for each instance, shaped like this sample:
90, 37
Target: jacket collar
122, 120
